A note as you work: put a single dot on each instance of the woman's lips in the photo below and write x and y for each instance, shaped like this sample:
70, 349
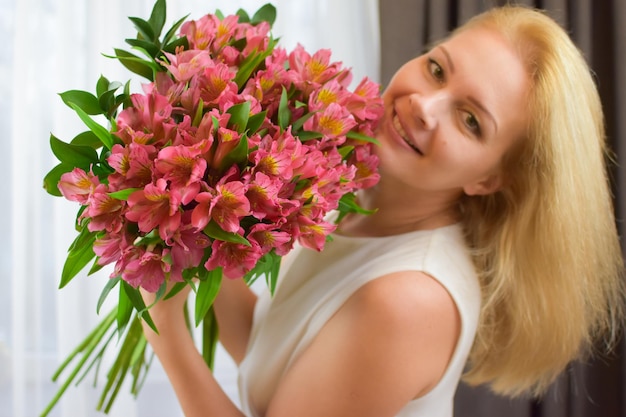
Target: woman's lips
402, 133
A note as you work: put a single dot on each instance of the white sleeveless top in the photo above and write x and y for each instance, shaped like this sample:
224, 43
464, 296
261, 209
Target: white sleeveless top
313, 285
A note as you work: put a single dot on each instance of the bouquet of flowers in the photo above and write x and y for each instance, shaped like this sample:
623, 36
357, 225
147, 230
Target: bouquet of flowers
234, 151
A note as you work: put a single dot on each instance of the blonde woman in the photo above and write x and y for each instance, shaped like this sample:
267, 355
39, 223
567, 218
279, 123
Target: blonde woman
493, 250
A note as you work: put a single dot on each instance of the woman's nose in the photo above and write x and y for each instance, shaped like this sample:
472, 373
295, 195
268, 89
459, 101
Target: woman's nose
427, 107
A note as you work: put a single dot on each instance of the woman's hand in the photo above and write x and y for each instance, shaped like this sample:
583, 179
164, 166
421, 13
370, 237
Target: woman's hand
167, 314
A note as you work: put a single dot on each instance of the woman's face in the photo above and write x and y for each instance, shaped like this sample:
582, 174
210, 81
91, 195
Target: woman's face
451, 114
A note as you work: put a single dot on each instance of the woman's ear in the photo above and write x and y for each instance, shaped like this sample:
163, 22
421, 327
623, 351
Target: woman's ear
489, 185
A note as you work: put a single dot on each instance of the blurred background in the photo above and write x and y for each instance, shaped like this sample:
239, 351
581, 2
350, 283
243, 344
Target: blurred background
50, 46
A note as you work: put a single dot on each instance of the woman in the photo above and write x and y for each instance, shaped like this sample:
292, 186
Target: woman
493, 241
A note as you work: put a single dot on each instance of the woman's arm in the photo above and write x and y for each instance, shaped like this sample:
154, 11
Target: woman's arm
197, 391
391, 342
234, 308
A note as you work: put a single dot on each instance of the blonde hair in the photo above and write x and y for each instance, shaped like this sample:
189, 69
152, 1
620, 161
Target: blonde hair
546, 245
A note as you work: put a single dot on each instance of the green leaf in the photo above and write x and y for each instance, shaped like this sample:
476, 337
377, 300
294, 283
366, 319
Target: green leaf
150, 49
102, 133
266, 13
87, 138
237, 156
256, 121
124, 310
171, 47
102, 85
157, 17
137, 301
247, 67
144, 29
210, 333
243, 16
76, 155
80, 254
207, 291
135, 64
105, 292
52, 178
304, 135
239, 115
361, 137
212, 230
345, 150
348, 204
84, 100
123, 194
268, 266
197, 118
284, 114
178, 287
297, 125
172, 31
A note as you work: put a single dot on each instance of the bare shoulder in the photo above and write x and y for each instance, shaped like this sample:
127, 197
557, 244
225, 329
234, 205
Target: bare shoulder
388, 344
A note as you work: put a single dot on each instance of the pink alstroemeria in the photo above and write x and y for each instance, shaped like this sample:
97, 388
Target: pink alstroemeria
236, 259
331, 92
334, 122
110, 246
106, 212
184, 65
366, 103
132, 165
212, 85
268, 238
148, 271
309, 71
188, 245
263, 194
226, 206
150, 113
256, 38
155, 206
77, 185
184, 167
366, 164
279, 156
311, 234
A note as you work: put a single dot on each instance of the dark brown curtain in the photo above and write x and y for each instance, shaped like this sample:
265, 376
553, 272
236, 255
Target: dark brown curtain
596, 388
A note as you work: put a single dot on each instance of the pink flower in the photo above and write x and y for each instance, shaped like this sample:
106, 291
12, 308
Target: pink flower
236, 259
105, 211
226, 206
331, 92
132, 165
267, 238
227, 140
148, 270
110, 246
184, 65
366, 164
366, 103
334, 122
150, 113
155, 206
312, 234
184, 167
212, 85
188, 245
311, 71
77, 185
263, 194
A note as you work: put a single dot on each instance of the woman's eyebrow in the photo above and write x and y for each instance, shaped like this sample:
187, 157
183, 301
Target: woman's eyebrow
448, 58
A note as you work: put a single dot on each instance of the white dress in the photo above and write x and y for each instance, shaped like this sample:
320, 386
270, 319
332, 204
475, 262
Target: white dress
314, 285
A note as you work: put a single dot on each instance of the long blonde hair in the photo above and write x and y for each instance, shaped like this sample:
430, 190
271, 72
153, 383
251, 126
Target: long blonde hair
546, 246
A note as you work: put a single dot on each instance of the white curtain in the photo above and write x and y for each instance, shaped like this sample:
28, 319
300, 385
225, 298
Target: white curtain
50, 46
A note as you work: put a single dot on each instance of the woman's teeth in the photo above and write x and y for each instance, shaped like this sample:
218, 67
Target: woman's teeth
403, 134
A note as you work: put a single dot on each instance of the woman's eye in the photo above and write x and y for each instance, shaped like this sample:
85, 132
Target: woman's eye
471, 122
435, 70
